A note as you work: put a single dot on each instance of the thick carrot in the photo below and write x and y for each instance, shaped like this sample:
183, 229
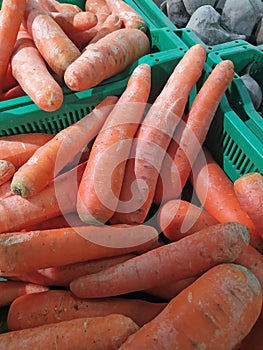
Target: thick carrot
17, 149
153, 138
179, 218
22, 252
31, 71
56, 6
249, 191
51, 41
111, 23
11, 15
10, 290
56, 199
99, 8
101, 183
216, 194
49, 159
14, 92
75, 21
107, 57
185, 258
61, 305
130, 17
107, 333
215, 312
7, 170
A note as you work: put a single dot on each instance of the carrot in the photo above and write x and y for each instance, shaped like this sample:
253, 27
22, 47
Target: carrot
75, 21
9, 80
34, 78
110, 24
130, 17
179, 218
11, 15
61, 305
105, 58
22, 252
49, 159
215, 312
185, 258
101, 183
62, 275
254, 339
56, 6
82, 38
51, 41
99, 8
154, 135
56, 199
17, 149
10, 290
216, 194
97, 333
5, 190
14, 92
249, 191
7, 170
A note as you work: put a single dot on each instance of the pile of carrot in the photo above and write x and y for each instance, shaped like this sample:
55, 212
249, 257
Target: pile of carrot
123, 232
47, 45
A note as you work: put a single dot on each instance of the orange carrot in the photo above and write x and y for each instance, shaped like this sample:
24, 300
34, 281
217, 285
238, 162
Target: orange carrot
11, 15
22, 252
14, 92
215, 312
34, 78
42, 308
130, 17
75, 21
105, 58
101, 183
216, 194
249, 191
188, 257
10, 290
9, 80
51, 41
49, 159
99, 8
5, 190
17, 149
110, 24
254, 339
153, 138
56, 199
107, 332
179, 218
7, 170
57, 6
82, 38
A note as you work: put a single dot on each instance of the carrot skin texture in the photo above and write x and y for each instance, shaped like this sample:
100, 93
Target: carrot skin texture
110, 24
56, 6
223, 305
154, 136
7, 170
49, 159
107, 332
99, 61
101, 183
27, 312
11, 15
29, 251
162, 265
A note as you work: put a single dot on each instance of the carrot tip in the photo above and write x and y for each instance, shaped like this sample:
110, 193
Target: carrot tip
19, 190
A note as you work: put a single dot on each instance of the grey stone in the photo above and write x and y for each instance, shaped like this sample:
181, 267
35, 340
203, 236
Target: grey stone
192, 5
254, 90
177, 13
259, 32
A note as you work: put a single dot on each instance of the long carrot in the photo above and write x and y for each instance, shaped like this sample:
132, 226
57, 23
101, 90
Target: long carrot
11, 15
111, 23
10, 290
7, 170
101, 183
153, 138
75, 21
51, 41
61, 305
216, 194
215, 312
105, 58
249, 191
57, 6
179, 218
49, 159
22, 252
185, 258
107, 332
32, 74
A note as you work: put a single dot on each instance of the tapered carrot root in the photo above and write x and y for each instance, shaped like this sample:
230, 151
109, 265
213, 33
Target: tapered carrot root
22, 252
10, 290
40, 309
7, 170
223, 305
48, 160
154, 136
162, 265
100, 189
107, 332
34, 78
99, 61
178, 218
